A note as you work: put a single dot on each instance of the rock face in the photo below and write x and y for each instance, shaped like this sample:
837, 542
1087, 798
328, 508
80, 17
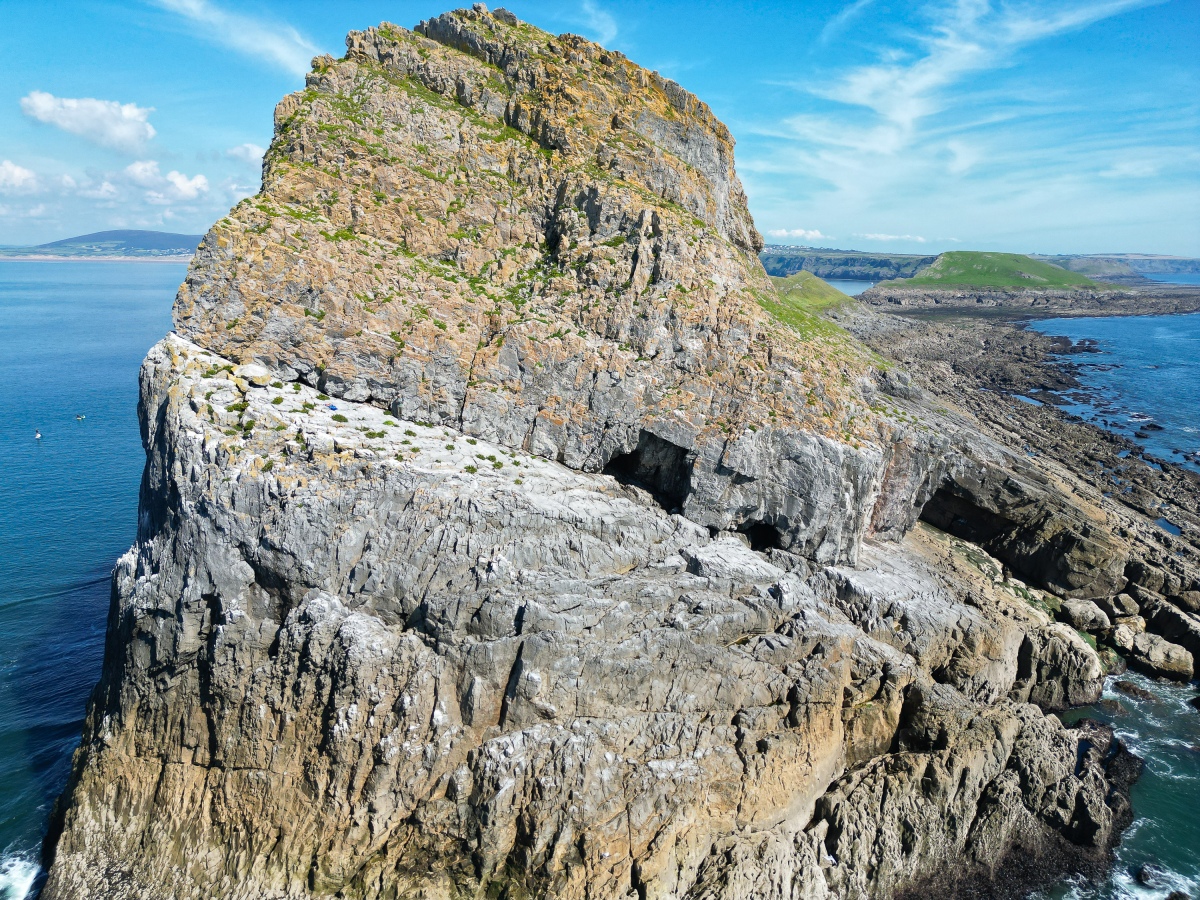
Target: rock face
538, 243
487, 674
598, 574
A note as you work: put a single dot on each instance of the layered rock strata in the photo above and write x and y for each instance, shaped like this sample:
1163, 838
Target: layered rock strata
1127, 299
370, 658
991, 368
503, 534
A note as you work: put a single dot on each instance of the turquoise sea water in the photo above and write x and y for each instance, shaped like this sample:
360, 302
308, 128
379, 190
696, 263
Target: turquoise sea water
1145, 378
1163, 844
853, 288
72, 336
1175, 279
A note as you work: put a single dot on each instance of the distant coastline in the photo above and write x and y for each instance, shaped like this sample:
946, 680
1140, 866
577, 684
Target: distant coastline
113, 246
40, 257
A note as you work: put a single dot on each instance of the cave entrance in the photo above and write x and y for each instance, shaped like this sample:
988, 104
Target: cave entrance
762, 537
960, 517
658, 466
999, 536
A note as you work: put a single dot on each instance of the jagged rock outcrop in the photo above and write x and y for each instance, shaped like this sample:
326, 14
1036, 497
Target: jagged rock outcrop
370, 657
595, 577
536, 242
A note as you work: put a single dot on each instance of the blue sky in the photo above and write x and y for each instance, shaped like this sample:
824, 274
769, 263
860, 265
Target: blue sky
1069, 126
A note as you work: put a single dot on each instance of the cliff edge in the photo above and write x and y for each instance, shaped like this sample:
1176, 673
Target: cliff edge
504, 534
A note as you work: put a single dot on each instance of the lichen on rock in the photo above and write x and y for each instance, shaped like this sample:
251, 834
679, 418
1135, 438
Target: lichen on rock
500, 538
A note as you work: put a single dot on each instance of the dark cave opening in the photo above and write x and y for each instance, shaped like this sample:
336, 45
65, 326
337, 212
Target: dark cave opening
762, 537
964, 519
659, 466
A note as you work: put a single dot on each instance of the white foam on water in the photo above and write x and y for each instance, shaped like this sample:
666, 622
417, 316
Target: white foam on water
17, 874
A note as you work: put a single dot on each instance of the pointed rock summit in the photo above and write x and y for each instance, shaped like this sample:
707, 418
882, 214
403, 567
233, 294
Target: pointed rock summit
534, 241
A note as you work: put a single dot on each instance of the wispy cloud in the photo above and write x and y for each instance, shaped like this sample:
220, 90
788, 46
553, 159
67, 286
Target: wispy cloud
947, 131
16, 179
804, 234
889, 238
843, 18
601, 26
121, 126
967, 37
273, 42
1132, 168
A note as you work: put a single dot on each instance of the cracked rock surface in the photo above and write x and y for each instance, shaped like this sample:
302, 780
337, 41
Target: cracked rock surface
372, 659
503, 534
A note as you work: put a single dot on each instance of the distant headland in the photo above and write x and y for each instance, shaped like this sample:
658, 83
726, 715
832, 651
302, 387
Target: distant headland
782, 260
126, 245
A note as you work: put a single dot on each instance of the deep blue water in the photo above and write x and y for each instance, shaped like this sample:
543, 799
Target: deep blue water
1146, 377
1165, 732
72, 335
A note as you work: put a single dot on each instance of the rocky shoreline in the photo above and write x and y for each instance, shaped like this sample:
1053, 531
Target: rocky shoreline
986, 364
504, 534
1143, 300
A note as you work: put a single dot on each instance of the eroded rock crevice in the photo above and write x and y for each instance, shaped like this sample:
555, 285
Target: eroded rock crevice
385, 631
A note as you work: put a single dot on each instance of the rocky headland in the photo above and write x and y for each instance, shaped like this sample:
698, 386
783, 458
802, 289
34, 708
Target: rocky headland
1143, 299
504, 534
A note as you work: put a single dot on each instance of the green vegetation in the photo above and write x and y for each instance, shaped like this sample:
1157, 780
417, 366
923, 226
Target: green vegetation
338, 417
967, 268
853, 264
806, 290
801, 300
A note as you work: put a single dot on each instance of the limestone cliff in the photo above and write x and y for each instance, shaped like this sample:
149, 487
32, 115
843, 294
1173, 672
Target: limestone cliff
598, 575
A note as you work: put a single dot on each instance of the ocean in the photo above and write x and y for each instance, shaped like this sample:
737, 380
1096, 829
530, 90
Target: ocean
1159, 853
72, 335
853, 288
1144, 381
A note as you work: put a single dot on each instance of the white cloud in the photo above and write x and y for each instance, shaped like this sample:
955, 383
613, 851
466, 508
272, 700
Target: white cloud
802, 233
187, 188
275, 43
875, 236
164, 189
121, 126
144, 173
600, 23
249, 153
105, 190
16, 179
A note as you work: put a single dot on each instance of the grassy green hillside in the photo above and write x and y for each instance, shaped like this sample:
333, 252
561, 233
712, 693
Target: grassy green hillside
800, 300
783, 261
966, 268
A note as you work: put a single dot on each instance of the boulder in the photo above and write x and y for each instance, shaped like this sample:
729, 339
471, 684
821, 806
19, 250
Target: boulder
1119, 605
1189, 601
1129, 689
1084, 615
1157, 656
